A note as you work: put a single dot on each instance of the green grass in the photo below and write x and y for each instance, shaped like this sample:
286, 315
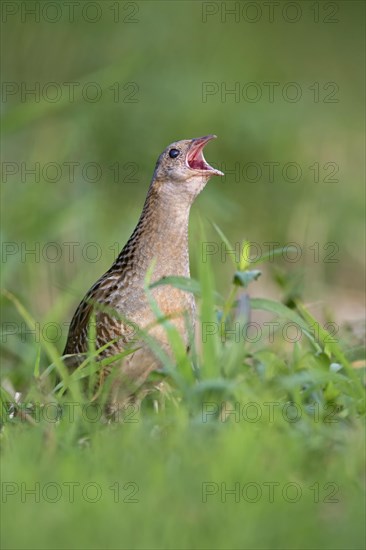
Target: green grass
298, 406
259, 446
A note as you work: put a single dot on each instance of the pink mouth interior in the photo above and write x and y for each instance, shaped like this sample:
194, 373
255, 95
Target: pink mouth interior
196, 160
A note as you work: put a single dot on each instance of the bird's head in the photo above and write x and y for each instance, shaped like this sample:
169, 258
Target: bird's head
183, 167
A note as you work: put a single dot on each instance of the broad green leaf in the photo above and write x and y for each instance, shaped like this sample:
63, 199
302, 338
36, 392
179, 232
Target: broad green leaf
243, 278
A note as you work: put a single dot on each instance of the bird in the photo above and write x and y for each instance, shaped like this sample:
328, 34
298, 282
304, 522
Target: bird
117, 301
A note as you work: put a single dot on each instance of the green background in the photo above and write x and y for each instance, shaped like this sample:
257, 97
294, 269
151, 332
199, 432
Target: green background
162, 60
159, 55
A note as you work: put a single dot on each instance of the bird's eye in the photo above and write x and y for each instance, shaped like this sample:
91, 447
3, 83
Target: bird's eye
173, 153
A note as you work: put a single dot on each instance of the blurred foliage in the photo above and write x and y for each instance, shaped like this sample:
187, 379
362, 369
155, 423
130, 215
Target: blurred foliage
150, 69
255, 433
168, 53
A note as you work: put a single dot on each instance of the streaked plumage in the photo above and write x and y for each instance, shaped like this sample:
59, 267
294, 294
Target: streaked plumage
161, 235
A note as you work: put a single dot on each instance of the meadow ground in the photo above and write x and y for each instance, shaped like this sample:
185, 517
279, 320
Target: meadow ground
262, 443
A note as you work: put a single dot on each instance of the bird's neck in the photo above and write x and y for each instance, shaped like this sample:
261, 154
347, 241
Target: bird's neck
161, 234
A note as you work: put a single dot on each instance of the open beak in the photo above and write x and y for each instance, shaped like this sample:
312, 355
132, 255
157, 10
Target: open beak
195, 159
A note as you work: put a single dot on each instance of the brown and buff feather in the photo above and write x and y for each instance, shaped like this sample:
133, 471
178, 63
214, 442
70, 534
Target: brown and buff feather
161, 236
